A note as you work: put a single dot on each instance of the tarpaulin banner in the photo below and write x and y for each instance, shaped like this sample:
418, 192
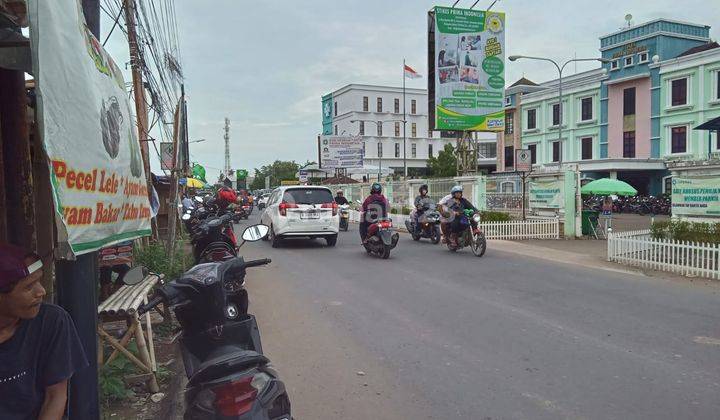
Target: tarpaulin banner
696, 196
341, 152
546, 194
88, 131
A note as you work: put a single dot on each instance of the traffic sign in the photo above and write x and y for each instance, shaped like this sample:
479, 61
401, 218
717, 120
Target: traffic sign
523, 160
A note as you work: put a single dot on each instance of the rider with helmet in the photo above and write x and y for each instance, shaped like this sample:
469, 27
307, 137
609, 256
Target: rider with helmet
422, 204
340, 198
374, 207
454, 206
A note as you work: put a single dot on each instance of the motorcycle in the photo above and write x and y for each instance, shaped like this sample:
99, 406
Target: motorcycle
228, 375
212, 238
344, 217
381, 238
469, 236
429, 226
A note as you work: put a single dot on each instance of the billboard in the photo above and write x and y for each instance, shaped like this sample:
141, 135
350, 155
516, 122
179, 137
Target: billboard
341, 152
327, 114
88, 131
467, 69
696, 196
546, 194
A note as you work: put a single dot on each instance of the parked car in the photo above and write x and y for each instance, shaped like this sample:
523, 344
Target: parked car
301, 211
262, 201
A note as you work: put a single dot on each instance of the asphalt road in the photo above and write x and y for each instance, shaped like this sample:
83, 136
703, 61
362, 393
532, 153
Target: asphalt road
431, 334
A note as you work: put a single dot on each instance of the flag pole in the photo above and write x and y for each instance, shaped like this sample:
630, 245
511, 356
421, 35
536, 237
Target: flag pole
404, 124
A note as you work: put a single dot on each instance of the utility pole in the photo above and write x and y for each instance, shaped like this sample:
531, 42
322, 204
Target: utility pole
227, 147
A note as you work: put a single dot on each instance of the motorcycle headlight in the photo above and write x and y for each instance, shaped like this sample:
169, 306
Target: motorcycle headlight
476, 218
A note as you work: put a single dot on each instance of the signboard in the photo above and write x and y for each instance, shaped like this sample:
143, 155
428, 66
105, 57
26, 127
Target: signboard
117, 254
546, 194
696, 196
167, 156
469, 69
303, 176
523, 160
289, 182
327, 113
341, 152
241, 173
89, 134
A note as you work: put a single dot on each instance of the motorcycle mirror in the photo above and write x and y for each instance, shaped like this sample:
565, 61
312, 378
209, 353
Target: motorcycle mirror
186, 216
358, 201
134, 276
198, 199
255, 233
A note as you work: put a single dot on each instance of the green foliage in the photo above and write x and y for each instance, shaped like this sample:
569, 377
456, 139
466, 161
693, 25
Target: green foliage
112, 385
494, 216
445, 164
156, 259
278, 171
681, 230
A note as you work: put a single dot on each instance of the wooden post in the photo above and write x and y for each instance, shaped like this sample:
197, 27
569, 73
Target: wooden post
144, 354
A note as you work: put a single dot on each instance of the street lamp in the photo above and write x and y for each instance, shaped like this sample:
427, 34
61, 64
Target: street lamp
379, 124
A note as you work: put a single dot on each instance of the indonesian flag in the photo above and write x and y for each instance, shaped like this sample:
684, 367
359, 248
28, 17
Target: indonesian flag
410, 73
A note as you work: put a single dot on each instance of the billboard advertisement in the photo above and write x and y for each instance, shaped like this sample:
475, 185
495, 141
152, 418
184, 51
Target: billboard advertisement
546, 194
696, 196
88, 131
341, 152
468, 60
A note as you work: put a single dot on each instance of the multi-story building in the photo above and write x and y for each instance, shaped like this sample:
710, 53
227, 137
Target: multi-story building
628, 118
356, 110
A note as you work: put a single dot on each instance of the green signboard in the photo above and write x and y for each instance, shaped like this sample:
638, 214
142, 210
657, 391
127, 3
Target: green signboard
469, 69
546, 194
241, 173
696, 196
327, 113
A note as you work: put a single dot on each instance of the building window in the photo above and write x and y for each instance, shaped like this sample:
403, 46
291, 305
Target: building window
717, 85
678, 92
366, 107
509, 122
413, 106
556, 151
397, 129
430, 151
413, 150
397, 150
508, 101
643, 57
379, 130
586, 144
615, 64
335, 109
413, 130
556, 114
509, 157
628, 61
629, 144
379, 104
362, 128
507, 187
629, 101
667, 185
487, 150
678, 139
531, 119
397, 105
586, 109
533, 153
336, 130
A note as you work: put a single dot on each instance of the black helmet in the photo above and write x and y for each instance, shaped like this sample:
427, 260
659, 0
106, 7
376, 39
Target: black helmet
424, 187
376, 188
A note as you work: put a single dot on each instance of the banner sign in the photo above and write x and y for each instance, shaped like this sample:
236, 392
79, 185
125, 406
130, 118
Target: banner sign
303, 176
88, 131
469, 69
546, 194
167, 156
696, 196
341, 152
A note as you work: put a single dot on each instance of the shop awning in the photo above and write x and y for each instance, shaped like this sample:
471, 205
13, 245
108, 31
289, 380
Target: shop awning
713, 124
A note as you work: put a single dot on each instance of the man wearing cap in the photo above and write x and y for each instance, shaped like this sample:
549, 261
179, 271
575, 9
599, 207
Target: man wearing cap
39, 347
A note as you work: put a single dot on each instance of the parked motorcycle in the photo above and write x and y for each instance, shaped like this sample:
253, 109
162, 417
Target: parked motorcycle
469, 236
212, 237
228, 375
381, 238
429, 226
344, 217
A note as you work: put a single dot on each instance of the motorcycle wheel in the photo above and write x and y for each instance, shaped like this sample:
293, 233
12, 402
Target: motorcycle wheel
385, 253
479, 245
415, 236
435, 238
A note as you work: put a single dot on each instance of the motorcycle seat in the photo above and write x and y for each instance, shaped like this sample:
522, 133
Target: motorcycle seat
224, 360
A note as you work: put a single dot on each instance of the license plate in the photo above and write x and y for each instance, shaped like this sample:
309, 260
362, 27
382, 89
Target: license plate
310, 215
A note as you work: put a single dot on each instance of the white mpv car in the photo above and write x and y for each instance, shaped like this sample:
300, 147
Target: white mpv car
301, 211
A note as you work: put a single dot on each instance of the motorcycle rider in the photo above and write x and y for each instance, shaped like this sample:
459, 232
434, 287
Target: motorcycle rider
422, 203
340, 198
374, 207
456, 206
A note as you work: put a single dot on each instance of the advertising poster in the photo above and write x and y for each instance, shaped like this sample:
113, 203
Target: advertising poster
167, 156
88, 131
546, 194
469, 69
341, 152
696, 196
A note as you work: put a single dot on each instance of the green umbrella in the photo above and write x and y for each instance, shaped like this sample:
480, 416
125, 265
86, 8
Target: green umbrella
607, 186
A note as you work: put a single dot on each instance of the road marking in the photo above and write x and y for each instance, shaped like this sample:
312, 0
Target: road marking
707, 340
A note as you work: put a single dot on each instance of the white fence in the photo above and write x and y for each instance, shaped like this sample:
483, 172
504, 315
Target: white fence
638, 248
522, 229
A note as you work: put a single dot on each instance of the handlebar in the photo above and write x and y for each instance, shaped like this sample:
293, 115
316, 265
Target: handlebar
151, 304
256, 263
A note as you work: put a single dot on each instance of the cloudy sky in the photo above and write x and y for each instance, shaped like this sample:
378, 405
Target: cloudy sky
265, 64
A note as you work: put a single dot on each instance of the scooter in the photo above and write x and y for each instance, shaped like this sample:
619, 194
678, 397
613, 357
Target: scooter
344, 217
429, 226
469, 236
381, 238
212, 238
228, 375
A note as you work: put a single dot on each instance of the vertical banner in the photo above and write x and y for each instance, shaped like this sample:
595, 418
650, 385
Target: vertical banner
167, 156
88, 131
469, 64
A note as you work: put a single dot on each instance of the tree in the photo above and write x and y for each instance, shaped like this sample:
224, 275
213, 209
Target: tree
279, 171
445, 164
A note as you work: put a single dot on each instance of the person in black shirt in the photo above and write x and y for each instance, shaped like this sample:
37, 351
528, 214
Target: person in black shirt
340, 198
39, 347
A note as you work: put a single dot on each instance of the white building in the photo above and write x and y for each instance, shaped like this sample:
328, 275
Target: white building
376, 113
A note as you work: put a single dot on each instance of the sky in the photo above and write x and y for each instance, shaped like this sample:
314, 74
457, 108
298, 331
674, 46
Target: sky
266, 64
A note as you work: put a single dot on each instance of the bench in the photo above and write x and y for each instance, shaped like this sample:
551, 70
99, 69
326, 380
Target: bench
123, 305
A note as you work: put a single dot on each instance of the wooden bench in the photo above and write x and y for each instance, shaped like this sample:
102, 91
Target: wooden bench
123, 305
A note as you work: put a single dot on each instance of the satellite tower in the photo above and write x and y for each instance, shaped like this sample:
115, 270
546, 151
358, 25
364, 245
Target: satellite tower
227, 146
